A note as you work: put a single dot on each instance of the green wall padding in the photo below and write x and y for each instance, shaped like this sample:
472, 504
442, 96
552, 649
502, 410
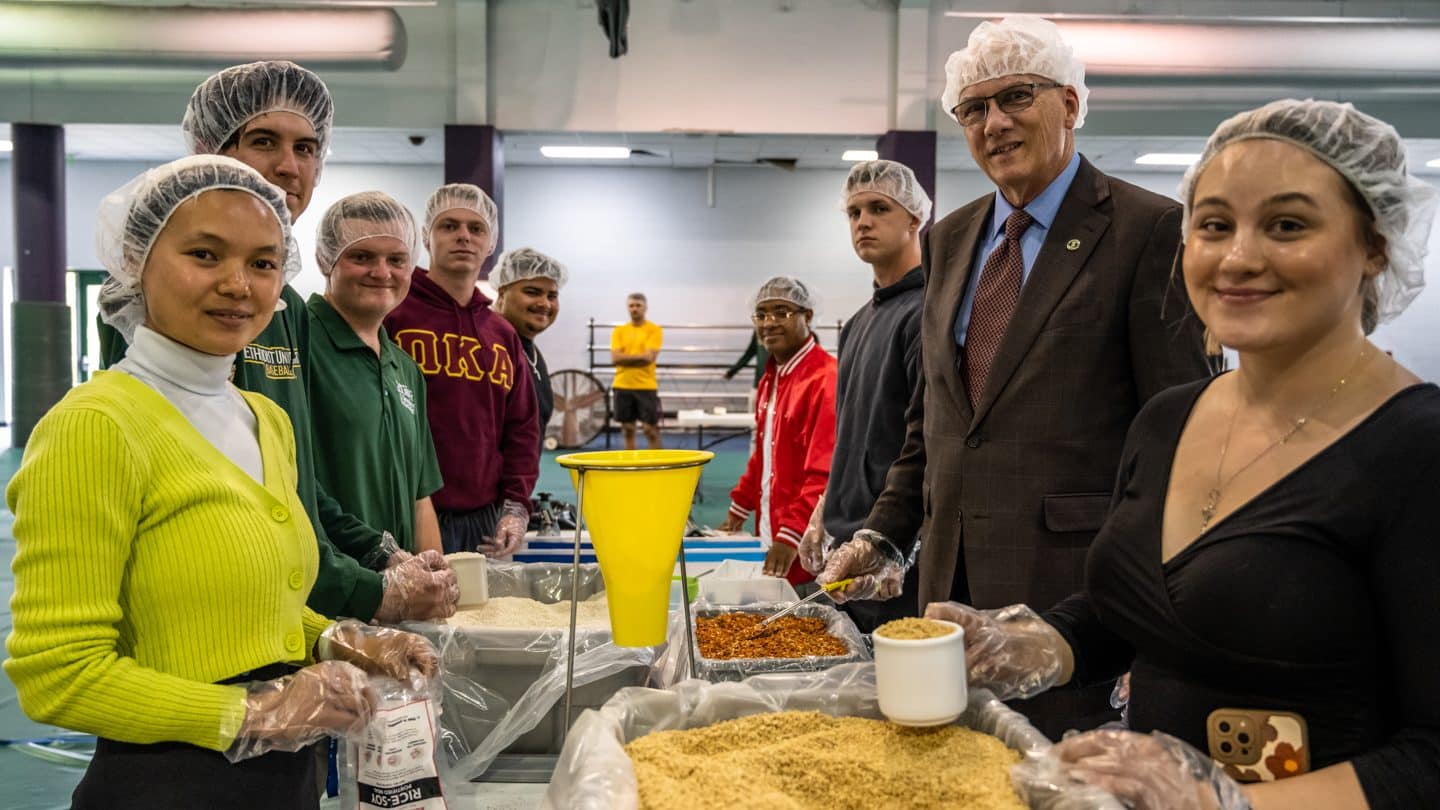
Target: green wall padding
40, 335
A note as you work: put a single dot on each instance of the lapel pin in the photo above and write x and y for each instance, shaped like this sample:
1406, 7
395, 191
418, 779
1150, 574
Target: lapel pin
1073, 244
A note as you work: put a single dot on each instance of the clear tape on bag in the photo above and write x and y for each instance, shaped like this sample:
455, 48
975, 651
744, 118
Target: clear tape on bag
594, 772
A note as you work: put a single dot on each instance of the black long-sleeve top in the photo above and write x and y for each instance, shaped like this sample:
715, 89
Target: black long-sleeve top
1320, 596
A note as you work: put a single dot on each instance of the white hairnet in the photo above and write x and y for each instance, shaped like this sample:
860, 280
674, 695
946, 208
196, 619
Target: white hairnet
1369, 154
1020, 44
461, 196
131, 219
785, 288
894, 180
222, 104
522, 263
362, 216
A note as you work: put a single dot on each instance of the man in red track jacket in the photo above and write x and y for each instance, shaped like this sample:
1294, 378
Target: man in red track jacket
794, 428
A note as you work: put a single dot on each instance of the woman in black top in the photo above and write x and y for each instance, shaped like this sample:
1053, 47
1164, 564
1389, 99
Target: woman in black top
1271, 544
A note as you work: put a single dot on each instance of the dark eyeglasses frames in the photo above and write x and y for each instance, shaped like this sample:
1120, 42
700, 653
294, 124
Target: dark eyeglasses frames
1013, 99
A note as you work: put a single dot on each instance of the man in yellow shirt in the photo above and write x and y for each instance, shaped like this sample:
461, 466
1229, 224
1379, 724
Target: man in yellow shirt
633, 349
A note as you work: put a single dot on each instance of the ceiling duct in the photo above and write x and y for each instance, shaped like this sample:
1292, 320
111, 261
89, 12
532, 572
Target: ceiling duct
72, 35
1178, 51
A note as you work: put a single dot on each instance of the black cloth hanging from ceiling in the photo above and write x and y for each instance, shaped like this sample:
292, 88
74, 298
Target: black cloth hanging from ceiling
613, 17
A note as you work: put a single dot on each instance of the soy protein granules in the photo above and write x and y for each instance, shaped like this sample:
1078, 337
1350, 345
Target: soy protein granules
812, 761
913, 629
737, 635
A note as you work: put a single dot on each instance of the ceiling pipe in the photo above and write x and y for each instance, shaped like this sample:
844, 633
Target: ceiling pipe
72, 35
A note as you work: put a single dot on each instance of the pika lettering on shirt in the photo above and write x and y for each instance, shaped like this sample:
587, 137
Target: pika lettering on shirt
280, 362
407, 396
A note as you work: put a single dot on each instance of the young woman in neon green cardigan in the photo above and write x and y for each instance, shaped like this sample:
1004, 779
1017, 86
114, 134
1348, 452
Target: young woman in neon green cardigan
163, 558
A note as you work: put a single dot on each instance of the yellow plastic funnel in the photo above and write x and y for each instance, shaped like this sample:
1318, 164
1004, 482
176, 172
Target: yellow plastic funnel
635, 504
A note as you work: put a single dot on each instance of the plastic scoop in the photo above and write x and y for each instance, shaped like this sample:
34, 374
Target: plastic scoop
834, 586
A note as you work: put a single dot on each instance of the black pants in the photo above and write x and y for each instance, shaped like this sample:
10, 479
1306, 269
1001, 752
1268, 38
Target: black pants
465, 531
180, 776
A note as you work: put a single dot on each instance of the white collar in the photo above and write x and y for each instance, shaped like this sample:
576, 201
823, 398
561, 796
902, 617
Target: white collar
155, 355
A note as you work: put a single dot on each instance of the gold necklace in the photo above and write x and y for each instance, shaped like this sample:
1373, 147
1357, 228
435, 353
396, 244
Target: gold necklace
1212, 501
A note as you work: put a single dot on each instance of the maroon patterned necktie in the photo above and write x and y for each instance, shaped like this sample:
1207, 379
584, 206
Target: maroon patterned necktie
994, 304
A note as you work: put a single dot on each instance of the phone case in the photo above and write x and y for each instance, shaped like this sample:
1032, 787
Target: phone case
1255, 745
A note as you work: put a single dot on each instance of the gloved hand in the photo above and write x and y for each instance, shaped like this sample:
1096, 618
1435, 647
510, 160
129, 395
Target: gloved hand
379, 650
287, 714
778, 559
815, 541
415, 589
509, 530
1145, 771
875, 564
1011, 651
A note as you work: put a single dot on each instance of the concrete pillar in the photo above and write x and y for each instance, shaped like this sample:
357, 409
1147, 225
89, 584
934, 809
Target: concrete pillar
476, 154
40, 317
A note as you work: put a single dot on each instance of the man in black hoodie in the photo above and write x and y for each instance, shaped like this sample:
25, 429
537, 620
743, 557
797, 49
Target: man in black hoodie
527, 292
879, 368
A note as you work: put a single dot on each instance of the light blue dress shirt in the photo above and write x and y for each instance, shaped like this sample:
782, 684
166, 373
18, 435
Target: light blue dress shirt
1043, 208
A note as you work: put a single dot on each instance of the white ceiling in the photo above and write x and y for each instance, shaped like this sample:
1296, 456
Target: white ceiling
156, 143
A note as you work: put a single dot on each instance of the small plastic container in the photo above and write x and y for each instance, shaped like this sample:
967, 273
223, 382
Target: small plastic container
921, 682
469, 568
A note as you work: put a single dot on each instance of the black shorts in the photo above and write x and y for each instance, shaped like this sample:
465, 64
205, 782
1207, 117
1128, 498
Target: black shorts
634, 405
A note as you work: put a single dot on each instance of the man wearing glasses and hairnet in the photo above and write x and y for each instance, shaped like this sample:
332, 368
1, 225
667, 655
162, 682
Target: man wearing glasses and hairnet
275, 117
794, 428
1050, 318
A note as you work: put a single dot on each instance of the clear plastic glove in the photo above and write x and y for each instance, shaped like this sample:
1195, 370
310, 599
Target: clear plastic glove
1145, 771
331, 698
815, 541
778, 559
379, 650
869, 558
509, 530
414, 589
1011, 651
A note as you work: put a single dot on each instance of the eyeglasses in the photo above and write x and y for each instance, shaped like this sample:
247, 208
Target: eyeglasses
778, 316
1013, 99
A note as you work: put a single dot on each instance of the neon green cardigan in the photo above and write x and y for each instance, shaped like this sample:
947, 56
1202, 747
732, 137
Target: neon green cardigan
148, 566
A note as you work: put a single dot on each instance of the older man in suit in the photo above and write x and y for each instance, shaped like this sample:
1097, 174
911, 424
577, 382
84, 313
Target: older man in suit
1051, 315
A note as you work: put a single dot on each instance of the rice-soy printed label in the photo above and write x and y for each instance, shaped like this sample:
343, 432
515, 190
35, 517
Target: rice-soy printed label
395, 765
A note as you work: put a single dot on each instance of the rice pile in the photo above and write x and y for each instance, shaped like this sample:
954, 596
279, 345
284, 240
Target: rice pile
528, 614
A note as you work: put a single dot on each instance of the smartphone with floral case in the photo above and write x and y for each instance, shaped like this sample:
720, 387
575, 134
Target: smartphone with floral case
1254, 745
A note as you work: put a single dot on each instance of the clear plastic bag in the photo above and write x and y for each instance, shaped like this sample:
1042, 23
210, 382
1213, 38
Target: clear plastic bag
397, 763
673, 665
594, 772
504, 688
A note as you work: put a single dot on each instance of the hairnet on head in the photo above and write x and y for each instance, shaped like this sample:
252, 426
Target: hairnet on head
223, 103
460, 196
894, 180
1020, 44
785, 288
131, 219
522, 263
362, 216
1369, 154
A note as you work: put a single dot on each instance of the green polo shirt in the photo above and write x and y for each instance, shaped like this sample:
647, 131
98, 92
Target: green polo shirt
373, 450
272, 365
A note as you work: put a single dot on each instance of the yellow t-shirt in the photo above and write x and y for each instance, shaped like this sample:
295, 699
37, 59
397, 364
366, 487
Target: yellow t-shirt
631, 339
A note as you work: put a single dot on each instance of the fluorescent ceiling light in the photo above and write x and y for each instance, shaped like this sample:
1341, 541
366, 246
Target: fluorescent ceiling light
1434, 164
6, 146
586, 152
860, 154
1167, 159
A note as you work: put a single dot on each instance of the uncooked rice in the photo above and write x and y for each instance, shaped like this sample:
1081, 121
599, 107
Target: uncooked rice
528, 614
912, 629
812, 761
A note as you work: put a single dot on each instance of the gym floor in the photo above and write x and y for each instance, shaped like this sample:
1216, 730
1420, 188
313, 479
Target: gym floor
34, 783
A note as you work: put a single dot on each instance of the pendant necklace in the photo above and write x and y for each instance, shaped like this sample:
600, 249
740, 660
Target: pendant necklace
1212, 500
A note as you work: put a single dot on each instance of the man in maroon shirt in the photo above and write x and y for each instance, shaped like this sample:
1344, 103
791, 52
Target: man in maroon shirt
481, 399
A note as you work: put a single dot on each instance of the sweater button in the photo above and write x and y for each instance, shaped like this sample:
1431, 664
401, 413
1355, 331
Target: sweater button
293, 642
972, 442
280, 513
297, 580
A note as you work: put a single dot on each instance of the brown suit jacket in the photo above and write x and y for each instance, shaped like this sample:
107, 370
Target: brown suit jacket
1006, 498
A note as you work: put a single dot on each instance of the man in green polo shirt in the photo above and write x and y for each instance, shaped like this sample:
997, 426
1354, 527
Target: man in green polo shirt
374, 452
276, 117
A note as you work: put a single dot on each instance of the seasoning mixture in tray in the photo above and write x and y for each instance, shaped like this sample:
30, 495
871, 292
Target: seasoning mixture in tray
738, 635
800, 760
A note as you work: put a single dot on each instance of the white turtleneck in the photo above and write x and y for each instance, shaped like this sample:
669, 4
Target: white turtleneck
198, 385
